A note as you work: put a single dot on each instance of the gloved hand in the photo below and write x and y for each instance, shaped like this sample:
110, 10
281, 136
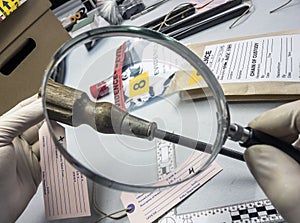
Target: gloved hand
19, 157
276, 172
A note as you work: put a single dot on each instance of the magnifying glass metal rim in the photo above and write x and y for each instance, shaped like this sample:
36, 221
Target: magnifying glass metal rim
168, 42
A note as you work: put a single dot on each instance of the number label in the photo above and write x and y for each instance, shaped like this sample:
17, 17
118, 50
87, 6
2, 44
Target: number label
139, 85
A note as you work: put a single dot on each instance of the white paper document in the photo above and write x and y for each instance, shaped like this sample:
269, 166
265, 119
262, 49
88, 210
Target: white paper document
147, 207
64, 188
275, 58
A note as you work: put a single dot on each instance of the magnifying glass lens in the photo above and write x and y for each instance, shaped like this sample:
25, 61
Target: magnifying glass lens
144, 74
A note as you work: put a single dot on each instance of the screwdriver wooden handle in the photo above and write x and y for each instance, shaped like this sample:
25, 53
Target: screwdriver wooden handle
73, 107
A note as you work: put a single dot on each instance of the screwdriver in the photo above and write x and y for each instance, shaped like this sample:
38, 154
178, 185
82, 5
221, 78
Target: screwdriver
73, 107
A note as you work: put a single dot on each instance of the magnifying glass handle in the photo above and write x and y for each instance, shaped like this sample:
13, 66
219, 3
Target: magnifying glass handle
258, 137
249, 137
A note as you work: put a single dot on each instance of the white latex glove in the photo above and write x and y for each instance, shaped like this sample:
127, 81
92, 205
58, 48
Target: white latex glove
276, 172
19, 157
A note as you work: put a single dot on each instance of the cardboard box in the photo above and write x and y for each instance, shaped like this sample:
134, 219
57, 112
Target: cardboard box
28, 39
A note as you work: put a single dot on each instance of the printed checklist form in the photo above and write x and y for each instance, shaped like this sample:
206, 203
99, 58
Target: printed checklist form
274, 58
252, 68
64, 188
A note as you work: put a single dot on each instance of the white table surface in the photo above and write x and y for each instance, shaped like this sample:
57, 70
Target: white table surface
234, 184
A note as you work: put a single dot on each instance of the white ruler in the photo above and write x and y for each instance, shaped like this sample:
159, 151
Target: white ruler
248, 212
256, 211
165, 154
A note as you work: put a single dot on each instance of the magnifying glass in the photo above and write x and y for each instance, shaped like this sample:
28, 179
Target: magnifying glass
115, 91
